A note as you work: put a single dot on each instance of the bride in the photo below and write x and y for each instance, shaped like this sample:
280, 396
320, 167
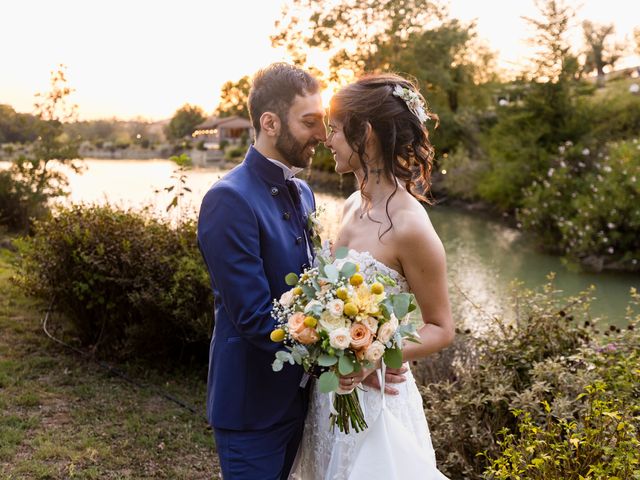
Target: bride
377, 132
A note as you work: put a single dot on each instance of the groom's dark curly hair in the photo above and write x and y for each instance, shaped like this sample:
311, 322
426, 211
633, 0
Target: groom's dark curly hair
274, 88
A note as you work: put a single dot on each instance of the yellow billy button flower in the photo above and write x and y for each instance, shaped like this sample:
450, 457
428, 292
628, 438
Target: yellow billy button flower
377, 288
277, 335
342, 293
297, 291
310, 322
356, 279
350, 309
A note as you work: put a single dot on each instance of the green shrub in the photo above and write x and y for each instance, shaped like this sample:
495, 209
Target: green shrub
596, 435
129, 285
550, 352
586, 206
234, 153
19, 204
463, 173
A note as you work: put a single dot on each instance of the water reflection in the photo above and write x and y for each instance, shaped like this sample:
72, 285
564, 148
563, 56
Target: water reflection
484, 256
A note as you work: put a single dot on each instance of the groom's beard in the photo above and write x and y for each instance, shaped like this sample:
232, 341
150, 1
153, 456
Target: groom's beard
293, 151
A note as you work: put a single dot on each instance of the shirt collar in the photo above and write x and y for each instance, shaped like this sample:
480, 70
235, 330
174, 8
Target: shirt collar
289, 173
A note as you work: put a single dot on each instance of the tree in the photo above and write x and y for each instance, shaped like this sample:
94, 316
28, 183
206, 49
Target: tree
551, 30
363, 35
16, 127
599, 55
184, 121
30, 182
234, 97
414, 37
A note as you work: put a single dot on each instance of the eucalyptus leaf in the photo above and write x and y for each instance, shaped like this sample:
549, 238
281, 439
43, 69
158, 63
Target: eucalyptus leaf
325, 360
345, 365
296, 357
401, 303
386, 308
283, 356
309, 292
328, 382
276, 366
348, 269
393, 358
331, 272
341, 253
291, 279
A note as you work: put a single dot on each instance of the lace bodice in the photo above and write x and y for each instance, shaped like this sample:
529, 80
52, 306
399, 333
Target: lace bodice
369, 265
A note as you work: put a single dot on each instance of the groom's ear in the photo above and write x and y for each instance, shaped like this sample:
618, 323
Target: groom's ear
270, 124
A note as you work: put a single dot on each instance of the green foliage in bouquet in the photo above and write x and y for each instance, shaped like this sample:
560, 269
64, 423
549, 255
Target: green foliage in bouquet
337, 320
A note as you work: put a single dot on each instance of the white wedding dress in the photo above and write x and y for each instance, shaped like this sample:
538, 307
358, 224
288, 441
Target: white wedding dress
327, 455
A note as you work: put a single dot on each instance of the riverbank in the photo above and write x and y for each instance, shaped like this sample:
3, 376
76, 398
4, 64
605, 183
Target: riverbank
67, 417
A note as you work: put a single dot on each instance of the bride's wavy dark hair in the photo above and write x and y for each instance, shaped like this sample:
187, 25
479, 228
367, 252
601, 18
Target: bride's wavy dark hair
407, 153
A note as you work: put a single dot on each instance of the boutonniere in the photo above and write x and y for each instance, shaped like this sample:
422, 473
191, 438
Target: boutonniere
314, 227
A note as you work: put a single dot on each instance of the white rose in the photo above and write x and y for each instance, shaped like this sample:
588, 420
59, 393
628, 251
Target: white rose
335, 307
331, 323
287, 298
374, 352
386, 330
340, 338
371, 323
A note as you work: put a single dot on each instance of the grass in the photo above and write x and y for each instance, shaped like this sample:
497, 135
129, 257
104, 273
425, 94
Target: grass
66, 417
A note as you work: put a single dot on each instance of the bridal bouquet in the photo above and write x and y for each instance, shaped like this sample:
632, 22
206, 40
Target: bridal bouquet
336, 320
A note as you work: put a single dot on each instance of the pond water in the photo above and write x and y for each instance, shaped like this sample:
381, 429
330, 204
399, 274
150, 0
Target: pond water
484, 256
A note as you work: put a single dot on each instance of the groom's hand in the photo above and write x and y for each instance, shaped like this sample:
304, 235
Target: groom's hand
393, 375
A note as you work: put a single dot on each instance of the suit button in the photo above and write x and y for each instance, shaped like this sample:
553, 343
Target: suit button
298, 240
274, 191
286, 215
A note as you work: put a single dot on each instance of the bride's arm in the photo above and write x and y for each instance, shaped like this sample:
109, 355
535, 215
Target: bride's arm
423, 261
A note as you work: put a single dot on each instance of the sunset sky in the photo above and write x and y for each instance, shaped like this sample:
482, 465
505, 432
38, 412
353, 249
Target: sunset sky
147, 58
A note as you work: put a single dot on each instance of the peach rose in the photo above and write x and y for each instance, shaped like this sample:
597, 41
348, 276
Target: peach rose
308, 336
360, 336
296, 323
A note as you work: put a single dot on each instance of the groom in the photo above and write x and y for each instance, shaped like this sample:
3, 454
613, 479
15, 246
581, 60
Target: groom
252, 232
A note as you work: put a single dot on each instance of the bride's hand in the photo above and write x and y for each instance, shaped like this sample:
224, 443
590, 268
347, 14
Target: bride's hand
393, 375
352, 380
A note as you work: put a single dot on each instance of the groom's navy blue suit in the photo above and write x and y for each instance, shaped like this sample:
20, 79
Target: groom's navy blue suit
252, 233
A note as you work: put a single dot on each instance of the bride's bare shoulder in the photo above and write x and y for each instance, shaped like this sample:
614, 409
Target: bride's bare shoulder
413, 227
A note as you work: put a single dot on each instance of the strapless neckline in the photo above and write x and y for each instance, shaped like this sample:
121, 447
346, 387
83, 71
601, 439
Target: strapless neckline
370, 264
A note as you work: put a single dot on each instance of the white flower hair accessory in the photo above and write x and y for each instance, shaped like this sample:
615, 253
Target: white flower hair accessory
413, 101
